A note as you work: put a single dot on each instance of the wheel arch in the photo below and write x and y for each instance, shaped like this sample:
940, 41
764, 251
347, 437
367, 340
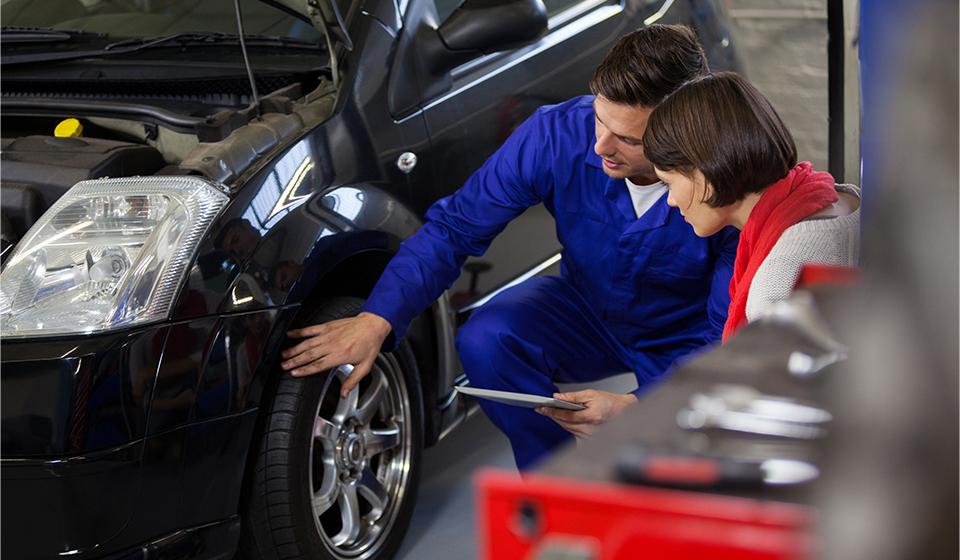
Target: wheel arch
430, 334
346, 258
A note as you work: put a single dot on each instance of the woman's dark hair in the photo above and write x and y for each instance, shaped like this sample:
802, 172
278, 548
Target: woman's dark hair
646, 65
723, 126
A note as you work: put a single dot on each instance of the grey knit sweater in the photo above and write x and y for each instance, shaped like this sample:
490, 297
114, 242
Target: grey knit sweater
834, 240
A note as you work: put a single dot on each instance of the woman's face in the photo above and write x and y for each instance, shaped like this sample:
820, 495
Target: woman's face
688, 195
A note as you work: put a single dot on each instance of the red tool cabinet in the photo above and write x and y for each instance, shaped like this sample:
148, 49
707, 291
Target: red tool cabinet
542, 517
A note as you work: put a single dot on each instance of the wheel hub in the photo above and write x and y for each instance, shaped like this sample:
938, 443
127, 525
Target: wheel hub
351, 453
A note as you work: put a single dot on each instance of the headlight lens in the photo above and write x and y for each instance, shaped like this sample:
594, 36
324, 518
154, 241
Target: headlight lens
108, 254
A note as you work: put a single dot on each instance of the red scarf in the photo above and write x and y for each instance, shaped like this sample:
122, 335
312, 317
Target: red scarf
802, 193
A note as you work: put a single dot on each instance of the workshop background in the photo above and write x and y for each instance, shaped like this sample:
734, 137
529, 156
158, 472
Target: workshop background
783, 48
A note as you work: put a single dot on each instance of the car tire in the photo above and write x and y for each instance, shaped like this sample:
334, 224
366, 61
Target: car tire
333, 477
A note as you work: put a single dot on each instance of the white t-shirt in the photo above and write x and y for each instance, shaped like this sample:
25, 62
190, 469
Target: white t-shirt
645, 196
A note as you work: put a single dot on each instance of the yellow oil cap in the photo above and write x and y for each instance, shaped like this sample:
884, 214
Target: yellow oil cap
68, 128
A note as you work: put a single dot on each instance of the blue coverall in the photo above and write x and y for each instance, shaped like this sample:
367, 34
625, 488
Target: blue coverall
634, 293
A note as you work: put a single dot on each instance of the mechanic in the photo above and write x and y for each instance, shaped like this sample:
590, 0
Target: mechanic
638, 289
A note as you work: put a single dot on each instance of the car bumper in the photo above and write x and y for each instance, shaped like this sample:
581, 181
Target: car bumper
134, 501
211, 541
128, 443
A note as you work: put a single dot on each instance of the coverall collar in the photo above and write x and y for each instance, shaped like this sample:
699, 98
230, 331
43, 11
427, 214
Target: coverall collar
616, 192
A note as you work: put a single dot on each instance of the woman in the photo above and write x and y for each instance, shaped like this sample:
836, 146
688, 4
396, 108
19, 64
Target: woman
728, 160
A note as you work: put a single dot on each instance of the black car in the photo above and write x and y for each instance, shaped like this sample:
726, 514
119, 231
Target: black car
164, 227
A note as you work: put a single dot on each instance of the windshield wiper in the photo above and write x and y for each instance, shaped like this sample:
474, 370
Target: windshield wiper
188, 39
18, 35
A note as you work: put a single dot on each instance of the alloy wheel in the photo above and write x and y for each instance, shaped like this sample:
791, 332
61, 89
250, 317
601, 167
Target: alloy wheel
361, 459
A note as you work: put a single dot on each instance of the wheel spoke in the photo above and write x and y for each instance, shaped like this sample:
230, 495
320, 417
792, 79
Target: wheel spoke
325, 430
373, 491
372, 397
329, 490
349, 516
346, 406
380, 440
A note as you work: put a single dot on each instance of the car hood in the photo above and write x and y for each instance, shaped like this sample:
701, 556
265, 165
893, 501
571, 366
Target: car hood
323, 15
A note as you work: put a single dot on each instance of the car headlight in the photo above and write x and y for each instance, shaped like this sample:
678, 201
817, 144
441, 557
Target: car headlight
108, 254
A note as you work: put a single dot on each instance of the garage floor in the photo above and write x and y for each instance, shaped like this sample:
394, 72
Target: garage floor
444, 521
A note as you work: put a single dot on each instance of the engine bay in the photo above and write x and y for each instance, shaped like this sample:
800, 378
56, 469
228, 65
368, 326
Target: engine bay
42, 160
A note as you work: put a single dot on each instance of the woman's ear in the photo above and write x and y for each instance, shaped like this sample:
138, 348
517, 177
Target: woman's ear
704, 186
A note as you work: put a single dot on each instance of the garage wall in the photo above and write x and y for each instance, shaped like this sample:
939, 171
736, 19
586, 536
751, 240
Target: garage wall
783, 45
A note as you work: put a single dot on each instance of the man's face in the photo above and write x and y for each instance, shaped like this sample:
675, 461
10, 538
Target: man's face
619, 130
241, 240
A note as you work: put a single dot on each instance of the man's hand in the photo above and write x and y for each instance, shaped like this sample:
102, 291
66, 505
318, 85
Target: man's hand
601, 407
354, 340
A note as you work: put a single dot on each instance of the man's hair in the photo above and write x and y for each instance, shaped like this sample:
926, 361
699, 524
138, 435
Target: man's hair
723, 126
646, 65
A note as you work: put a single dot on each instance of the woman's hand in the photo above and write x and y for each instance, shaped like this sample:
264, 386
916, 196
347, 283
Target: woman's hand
601, 407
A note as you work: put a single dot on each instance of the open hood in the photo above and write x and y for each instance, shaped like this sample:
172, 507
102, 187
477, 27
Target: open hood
325, 15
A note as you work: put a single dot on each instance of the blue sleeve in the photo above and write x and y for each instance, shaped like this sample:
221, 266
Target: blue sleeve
725, 244
463, 224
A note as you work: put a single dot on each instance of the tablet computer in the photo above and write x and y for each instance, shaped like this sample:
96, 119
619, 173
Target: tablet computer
519, 399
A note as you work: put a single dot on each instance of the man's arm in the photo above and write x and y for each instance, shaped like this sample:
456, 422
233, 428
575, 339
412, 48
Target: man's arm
725, 245
463, 224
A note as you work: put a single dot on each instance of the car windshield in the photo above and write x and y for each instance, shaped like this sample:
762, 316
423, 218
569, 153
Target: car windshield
152, 18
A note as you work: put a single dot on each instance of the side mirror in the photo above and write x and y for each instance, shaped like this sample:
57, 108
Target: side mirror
481, 27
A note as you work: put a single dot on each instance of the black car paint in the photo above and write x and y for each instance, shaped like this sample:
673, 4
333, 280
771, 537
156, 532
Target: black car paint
142, 447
